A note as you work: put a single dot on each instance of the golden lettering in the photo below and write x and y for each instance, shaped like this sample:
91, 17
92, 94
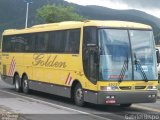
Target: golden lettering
41, 60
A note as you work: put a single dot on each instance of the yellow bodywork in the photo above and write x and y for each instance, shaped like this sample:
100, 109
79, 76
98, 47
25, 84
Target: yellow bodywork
55, 68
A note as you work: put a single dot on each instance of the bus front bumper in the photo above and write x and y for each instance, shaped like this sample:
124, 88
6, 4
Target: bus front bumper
126, 97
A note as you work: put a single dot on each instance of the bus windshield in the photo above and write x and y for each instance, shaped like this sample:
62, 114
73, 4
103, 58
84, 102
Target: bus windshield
126, 55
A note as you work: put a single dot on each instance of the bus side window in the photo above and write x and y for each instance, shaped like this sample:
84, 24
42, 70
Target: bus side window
29, 43
73, 41
7, 46
18, 43
41, 42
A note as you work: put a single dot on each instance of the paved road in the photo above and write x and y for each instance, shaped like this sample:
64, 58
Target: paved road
42, 106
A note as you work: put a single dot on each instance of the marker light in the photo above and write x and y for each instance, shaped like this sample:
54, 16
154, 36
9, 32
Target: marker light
109, 88
151, 88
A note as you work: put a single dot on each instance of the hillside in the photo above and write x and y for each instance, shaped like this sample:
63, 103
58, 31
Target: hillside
12, 14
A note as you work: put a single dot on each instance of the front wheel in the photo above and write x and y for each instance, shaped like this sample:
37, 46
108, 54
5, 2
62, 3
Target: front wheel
78, 95
125, 105
25, 85
17, 83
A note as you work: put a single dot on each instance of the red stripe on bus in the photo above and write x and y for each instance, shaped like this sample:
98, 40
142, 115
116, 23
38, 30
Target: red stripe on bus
13, 67
67, 78
10, 67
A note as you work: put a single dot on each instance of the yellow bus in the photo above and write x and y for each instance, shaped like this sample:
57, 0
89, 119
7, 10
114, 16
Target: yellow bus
100, 62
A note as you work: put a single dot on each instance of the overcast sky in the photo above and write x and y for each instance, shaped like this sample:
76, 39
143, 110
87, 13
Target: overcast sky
148, 6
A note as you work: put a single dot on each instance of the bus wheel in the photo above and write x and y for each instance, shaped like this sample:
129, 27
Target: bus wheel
125, 105
17, 83
78, 95
25, 84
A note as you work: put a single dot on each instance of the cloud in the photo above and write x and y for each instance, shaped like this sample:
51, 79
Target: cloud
124, 3
106, 3
141, 3
148, 6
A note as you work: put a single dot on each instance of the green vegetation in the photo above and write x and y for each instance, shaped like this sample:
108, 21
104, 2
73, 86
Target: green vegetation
14, 17
57, 13
158, 86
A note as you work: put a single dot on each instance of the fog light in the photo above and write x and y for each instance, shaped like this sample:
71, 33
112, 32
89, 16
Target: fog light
151, 88
153, 95
107, 97
109, 88
112, 97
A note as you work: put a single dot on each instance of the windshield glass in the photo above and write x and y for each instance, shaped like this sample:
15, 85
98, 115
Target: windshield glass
143, 57
122, 59
115, 57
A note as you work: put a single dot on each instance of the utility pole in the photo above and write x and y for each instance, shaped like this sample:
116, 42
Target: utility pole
27, 9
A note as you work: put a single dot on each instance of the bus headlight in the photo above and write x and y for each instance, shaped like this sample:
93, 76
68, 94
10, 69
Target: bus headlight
109, 88
151, 88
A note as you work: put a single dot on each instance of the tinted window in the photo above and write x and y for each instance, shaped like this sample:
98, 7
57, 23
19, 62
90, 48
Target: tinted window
90, 35
89, 66
30, 43
59, 41
42, 42
13, 44
73, 41
18, 43
62, 41
66, 41
6, 45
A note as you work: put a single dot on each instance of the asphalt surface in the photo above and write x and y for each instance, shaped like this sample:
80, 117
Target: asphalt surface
42, 106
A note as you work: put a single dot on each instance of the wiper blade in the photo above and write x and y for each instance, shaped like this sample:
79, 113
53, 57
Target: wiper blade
138, 64
141, 69
123, 70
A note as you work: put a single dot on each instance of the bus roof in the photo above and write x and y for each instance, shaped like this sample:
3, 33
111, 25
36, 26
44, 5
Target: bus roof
77, 24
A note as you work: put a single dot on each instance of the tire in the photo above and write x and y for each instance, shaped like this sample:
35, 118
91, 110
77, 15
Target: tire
25, 85
79, 95
125, 105
17, 83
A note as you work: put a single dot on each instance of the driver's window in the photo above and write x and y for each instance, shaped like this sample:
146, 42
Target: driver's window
89, 63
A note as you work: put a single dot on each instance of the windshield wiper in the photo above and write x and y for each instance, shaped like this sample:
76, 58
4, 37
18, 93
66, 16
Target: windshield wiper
138, 64
124, 69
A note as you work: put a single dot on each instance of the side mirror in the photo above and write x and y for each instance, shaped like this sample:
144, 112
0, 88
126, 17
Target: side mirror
158, 55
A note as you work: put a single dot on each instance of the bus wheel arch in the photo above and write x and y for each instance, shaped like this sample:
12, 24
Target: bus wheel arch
24, 74
77, 88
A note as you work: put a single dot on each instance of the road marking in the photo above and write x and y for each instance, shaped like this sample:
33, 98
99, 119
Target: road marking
146, 108
63, 107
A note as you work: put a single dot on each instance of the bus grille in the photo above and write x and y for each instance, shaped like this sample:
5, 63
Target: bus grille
140, 87
125, 87
132, 87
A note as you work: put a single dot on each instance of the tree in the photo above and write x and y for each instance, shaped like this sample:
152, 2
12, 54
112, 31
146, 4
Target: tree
58, 13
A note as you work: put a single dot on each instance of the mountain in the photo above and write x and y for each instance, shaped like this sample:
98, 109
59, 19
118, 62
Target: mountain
12, 14
102, 13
